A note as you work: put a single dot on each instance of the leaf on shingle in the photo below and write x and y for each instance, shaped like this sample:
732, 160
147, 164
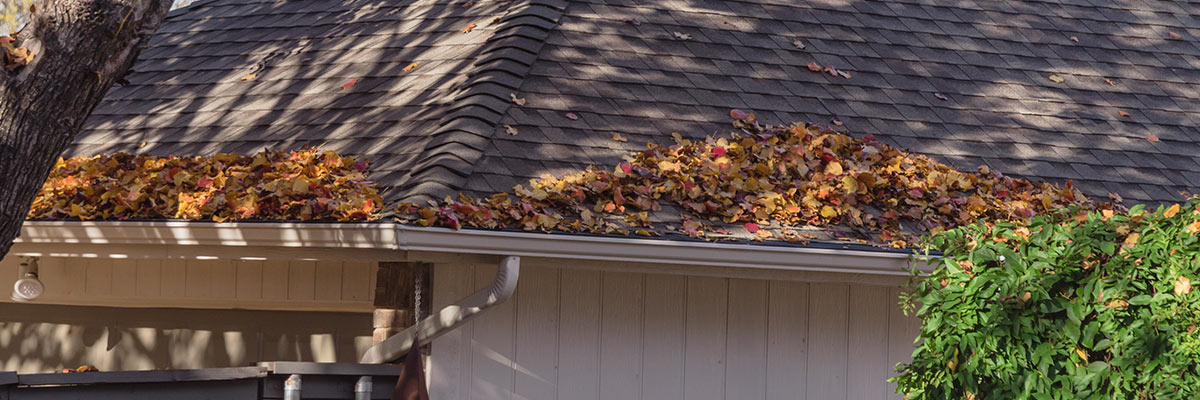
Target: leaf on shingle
941, 97
617, 137
1152, 138
738, 114
844, 74
350, 83
799, 44
814, 67
1056, 78
1174, 35
470, 27
836, 122
410, 67
633, 21
1110, 82
510, 130
1122, 113
249, 76
1074, 39
520, 101
682, 36
571, 116
1116, 198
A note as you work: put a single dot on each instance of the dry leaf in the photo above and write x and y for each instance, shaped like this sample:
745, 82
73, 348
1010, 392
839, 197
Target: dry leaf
836, 121
1174, 35
1116, 198
682, 36
738, 114
1152, 138
799, 44
752, 227
520, 101
633, 21
1110, 82
1132, 239
1074, 39
1183, 286
1172, 211
844, 74
468, 28
142, 144
572, 116
410, 67
1056, 79
941, 97
350, 83
619, 138
1122, 113
510, 130
249, 76
831, 70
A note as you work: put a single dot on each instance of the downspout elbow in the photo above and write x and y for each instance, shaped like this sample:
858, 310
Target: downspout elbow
449, 317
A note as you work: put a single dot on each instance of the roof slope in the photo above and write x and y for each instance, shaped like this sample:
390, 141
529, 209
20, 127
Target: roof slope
964, 81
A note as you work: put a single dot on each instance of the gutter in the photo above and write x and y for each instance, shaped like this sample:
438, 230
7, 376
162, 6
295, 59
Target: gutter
390, 241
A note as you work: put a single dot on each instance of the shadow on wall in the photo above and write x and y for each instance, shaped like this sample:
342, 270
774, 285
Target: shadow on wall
46, 338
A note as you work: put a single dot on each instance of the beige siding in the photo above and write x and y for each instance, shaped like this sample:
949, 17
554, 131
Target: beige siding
46, 338
213, 284
591, 334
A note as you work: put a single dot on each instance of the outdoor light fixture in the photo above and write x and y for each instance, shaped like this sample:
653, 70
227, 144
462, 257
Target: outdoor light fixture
28, 287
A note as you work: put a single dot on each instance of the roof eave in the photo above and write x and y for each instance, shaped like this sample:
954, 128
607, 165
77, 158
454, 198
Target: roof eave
389, 241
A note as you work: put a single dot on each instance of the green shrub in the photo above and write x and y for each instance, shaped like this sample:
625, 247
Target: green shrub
1067, 306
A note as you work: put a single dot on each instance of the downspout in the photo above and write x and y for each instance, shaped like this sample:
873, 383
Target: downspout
450, 317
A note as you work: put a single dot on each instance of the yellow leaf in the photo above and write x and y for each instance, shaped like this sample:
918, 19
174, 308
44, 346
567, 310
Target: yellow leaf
1056, 79
834, 168
1082, 354
1172, 211
1132, 239
250, 76
300, 185
619, 138
850, 184
828, 212
1193, 228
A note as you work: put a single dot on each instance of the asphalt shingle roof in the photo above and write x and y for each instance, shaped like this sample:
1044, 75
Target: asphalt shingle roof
439, 128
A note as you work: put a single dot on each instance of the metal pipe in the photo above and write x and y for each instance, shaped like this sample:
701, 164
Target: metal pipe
291, 387
450, 317
362, 388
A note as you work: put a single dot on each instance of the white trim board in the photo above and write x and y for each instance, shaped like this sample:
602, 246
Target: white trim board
389, 241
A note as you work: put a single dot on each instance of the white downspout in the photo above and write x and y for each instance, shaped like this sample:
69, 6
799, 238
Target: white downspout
450, 317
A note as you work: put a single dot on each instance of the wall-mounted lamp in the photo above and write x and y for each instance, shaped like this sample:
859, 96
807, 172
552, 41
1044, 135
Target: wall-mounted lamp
28, 287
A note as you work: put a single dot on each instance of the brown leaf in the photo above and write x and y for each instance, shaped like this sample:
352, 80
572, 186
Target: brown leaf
520, 101
510, 130
1122, 113
410, 67
1116, 198
1110, 82
468, 28
738, 114
1174, 35
814, 67
619, 138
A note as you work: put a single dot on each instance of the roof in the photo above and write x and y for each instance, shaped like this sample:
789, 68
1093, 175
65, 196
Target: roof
967, 82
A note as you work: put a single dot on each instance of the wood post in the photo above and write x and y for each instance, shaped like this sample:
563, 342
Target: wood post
396, 295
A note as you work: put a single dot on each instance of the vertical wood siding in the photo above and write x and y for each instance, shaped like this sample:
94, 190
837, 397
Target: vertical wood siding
273, 284
583, 334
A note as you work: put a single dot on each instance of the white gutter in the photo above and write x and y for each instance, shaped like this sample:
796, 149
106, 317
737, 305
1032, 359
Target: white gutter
450, 317
387, 240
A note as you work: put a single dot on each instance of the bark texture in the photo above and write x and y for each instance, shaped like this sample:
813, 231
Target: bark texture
80, 48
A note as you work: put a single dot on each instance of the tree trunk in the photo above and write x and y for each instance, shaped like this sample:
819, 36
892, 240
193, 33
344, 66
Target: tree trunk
80, 47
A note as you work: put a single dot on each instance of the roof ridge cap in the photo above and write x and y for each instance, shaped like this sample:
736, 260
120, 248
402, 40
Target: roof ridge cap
463, 134
184, 10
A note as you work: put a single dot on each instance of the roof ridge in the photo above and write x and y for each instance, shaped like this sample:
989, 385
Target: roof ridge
464, 133
183, 10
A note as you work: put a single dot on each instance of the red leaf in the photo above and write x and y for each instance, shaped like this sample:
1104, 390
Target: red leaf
1152, 138
627, 168
738, 114
869, 137
350, 83
814, 67
1174, 35
718, 151
752, 227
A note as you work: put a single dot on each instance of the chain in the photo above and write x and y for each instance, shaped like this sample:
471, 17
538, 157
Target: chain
417, 292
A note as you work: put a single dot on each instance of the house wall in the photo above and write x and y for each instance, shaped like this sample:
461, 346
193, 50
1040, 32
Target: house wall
326, 285
621, 333
46, 338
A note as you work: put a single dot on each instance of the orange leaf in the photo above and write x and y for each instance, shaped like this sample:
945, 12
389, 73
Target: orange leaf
1152, 138
1122, 113
468, 28
619, 138
1183, 285
350, 83
1172, 211
410, 67
1174, 35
